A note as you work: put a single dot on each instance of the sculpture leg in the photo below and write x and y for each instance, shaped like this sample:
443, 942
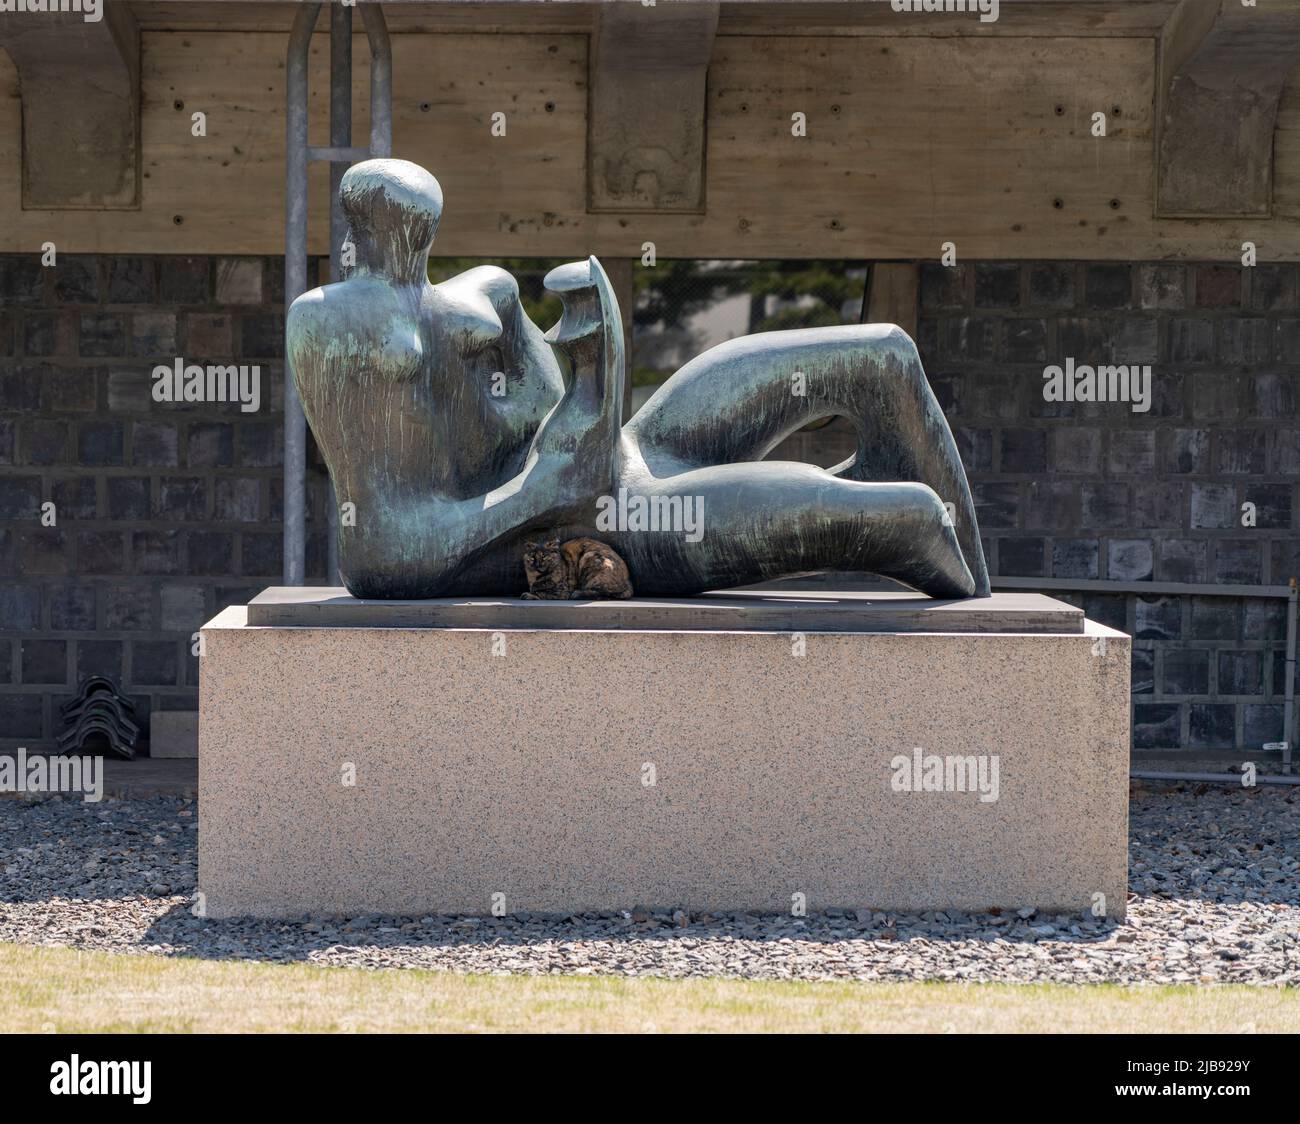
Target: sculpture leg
738, 401
760, 521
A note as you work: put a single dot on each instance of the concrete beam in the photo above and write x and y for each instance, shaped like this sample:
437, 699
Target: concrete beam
1221, 71
648, 71
80, 86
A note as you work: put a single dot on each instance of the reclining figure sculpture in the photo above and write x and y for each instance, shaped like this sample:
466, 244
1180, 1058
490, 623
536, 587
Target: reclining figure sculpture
447, 422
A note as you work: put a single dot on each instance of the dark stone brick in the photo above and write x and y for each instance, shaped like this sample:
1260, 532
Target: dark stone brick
1162, 287
1107, 608
1285, 560
1218, 286
1051, 285
1024, 450
184, 280
1132, 452
1076, 450
211, 552
1051, 505
212, 445
153, 333
1241, 673
20, 279
1108, 286
41, 334
1214, 506
969, 338
1087, 339
1142, 671
1262, 723
99, 657
1168, 395
76, 279
157, 552
45, 551
182, 497
1279, 675
273, 280
1158, 618
927, 341
261, 444
1129, 560
46, 441
941, 286
20, 389
154, 663
1288, 338
1240, 452
8, 322
1181, 560
1215, 618
1187, 451
21, 716
8, 435
997, 285
1157, 726
183, 608
72, 608
1212, 726
101, 443
1021, 558
262, 555
130, 280
102, 333
237, 499
261, 335
128, 608
74, 499
1264, 618
1272, 395
71, 390
1025, 340
6, 662
1157, 505
44, 661
100, 552
1238, 563
990, 395
20, 607
154, 444
996, 505
209, 335
128, 497
20, 497
1186, 672
1105, 505
1191, 340
1272, 287
1272, 505
1136, 340
1075, 558
1246, 341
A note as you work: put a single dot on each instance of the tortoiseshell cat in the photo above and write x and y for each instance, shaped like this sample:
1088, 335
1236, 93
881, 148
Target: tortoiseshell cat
578, 569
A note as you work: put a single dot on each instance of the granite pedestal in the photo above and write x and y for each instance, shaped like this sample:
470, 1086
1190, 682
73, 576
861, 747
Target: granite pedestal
752, 751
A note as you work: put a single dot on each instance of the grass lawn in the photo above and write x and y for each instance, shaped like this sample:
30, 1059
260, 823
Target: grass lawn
65, 990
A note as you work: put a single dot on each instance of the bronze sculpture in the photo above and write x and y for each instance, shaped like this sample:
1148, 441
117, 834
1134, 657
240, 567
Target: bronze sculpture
447, 422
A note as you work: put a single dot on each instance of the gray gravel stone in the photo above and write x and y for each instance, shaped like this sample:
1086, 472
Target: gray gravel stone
1214, 880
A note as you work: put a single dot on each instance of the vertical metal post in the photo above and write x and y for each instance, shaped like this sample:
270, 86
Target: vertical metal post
1288, 717
381, 81
340, 137
295, 284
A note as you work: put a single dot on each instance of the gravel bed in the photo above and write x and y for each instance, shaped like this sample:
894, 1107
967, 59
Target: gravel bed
1214, 880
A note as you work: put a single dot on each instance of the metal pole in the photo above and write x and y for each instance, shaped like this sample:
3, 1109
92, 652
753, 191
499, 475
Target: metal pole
381, 81
295, 284
340, 137
1288, 716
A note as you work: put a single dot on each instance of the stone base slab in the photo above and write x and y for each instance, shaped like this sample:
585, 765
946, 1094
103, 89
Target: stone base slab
408, 771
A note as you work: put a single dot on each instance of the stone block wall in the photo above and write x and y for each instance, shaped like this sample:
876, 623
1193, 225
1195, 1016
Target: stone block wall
1098, 491
163, 512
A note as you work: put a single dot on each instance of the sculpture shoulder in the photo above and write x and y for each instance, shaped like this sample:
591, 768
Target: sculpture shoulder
359, 323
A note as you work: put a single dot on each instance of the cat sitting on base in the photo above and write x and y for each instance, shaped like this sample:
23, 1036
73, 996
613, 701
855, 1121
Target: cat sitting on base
576, 570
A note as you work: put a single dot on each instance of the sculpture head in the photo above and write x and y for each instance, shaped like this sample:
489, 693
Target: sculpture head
392, 208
